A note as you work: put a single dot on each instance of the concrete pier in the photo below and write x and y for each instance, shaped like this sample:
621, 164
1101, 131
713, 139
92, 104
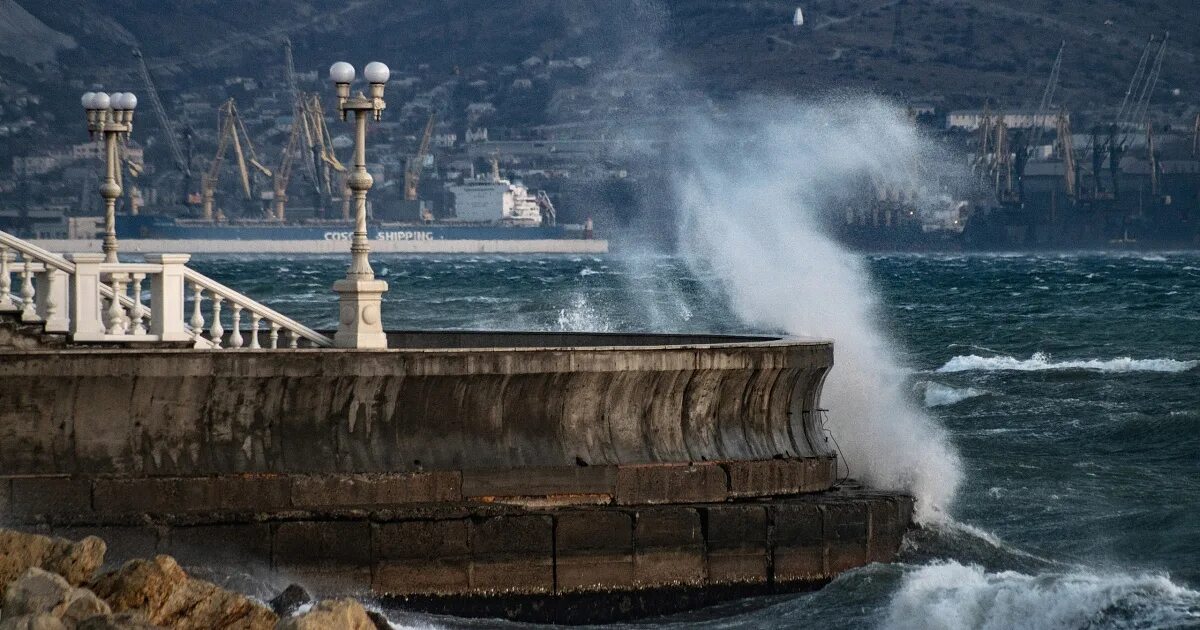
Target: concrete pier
522, 474
208, 246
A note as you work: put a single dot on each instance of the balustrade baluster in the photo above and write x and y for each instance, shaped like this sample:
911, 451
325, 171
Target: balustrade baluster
28, 310
137, 312
116, 312
6, 301
274, 335
216, 332
295, 339
197, 321
235, 332
255, 318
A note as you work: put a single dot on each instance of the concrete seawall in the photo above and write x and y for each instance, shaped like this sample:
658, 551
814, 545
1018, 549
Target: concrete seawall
490, 473
203, 246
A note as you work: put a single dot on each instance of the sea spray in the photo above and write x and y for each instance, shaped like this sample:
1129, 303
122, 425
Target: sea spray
952, 595
753, 199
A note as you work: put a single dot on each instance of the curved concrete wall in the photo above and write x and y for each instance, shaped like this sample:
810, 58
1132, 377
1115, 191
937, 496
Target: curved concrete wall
187, 412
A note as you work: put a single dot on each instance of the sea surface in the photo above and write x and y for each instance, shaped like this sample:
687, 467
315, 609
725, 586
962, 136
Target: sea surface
1070, 385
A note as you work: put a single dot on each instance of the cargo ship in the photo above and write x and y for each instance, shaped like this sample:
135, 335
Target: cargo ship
491, 214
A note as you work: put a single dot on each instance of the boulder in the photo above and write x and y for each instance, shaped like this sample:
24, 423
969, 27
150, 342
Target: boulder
81, 605
121, 621
41, 621
290, 600
39, 592
330, 614
35, 592
77, 562
162, 590
381, 622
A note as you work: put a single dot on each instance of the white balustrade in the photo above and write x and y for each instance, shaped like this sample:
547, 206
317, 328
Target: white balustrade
95, 301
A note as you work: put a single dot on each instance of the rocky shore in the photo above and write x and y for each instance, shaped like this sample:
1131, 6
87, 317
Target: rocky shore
57, 584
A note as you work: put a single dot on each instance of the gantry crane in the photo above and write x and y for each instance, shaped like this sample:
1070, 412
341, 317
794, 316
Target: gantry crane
231, 131
412, 170
183, 161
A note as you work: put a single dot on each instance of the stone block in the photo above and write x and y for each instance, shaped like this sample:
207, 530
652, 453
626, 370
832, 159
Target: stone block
540, 482
846, 522
671, 483
422, 558
668, 547
5, 499
769, 477
820, 473
223, 545
50, 496
182, 495
512, 554
737, 544
594, 550
322, 543
371, 490
798, 551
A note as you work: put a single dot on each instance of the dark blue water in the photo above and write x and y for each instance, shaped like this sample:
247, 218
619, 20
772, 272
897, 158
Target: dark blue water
1069, 384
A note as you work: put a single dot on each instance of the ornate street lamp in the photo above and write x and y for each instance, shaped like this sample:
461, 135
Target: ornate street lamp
359, 293
111, 116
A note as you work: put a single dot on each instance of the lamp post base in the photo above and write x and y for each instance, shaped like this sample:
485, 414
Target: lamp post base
359, 321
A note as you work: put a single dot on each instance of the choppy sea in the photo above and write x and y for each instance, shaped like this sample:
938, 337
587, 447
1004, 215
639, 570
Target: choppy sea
1069, 384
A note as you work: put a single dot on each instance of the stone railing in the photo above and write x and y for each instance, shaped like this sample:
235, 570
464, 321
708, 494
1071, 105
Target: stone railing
97, 302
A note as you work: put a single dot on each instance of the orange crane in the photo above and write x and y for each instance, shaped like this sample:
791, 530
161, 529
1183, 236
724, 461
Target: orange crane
308, 123
412, 170
231, 132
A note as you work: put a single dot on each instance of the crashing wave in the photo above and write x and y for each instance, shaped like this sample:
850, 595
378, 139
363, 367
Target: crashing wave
1041, 361
939, 395
952, 595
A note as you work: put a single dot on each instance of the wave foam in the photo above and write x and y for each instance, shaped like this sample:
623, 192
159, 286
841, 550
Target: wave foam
1041, 361
952, 595
939, 395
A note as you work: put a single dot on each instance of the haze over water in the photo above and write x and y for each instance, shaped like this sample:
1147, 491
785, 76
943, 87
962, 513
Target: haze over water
1069, 385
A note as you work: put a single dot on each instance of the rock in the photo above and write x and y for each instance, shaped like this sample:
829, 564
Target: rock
330, 614
162, 590
77, 562
290, 600
80, 605
35, 592
381, 622
39, 592
42, 621
122, 621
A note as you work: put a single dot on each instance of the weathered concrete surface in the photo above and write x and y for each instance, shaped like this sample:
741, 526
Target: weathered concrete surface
191, 413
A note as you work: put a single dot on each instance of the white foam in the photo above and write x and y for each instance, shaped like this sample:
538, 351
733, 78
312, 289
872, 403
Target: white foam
1041, 361
753, 218
939, 395
951, 595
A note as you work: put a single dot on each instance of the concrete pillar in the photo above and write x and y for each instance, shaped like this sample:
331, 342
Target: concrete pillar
52, 298
166, 297
86, 323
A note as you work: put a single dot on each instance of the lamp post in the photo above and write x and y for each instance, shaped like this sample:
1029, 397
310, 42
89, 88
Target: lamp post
359, 293
111, 116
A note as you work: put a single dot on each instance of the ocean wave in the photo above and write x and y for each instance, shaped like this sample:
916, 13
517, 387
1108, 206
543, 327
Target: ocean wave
939, 395
952, 595
1041, 361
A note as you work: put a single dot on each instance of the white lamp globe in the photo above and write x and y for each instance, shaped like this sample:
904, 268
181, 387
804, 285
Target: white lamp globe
101, 101
341, 72
376, 72
86, 99
117, 100
130, 100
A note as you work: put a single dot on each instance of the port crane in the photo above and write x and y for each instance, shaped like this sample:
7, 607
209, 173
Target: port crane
412, 170
231, 132
183, 161
308, 125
